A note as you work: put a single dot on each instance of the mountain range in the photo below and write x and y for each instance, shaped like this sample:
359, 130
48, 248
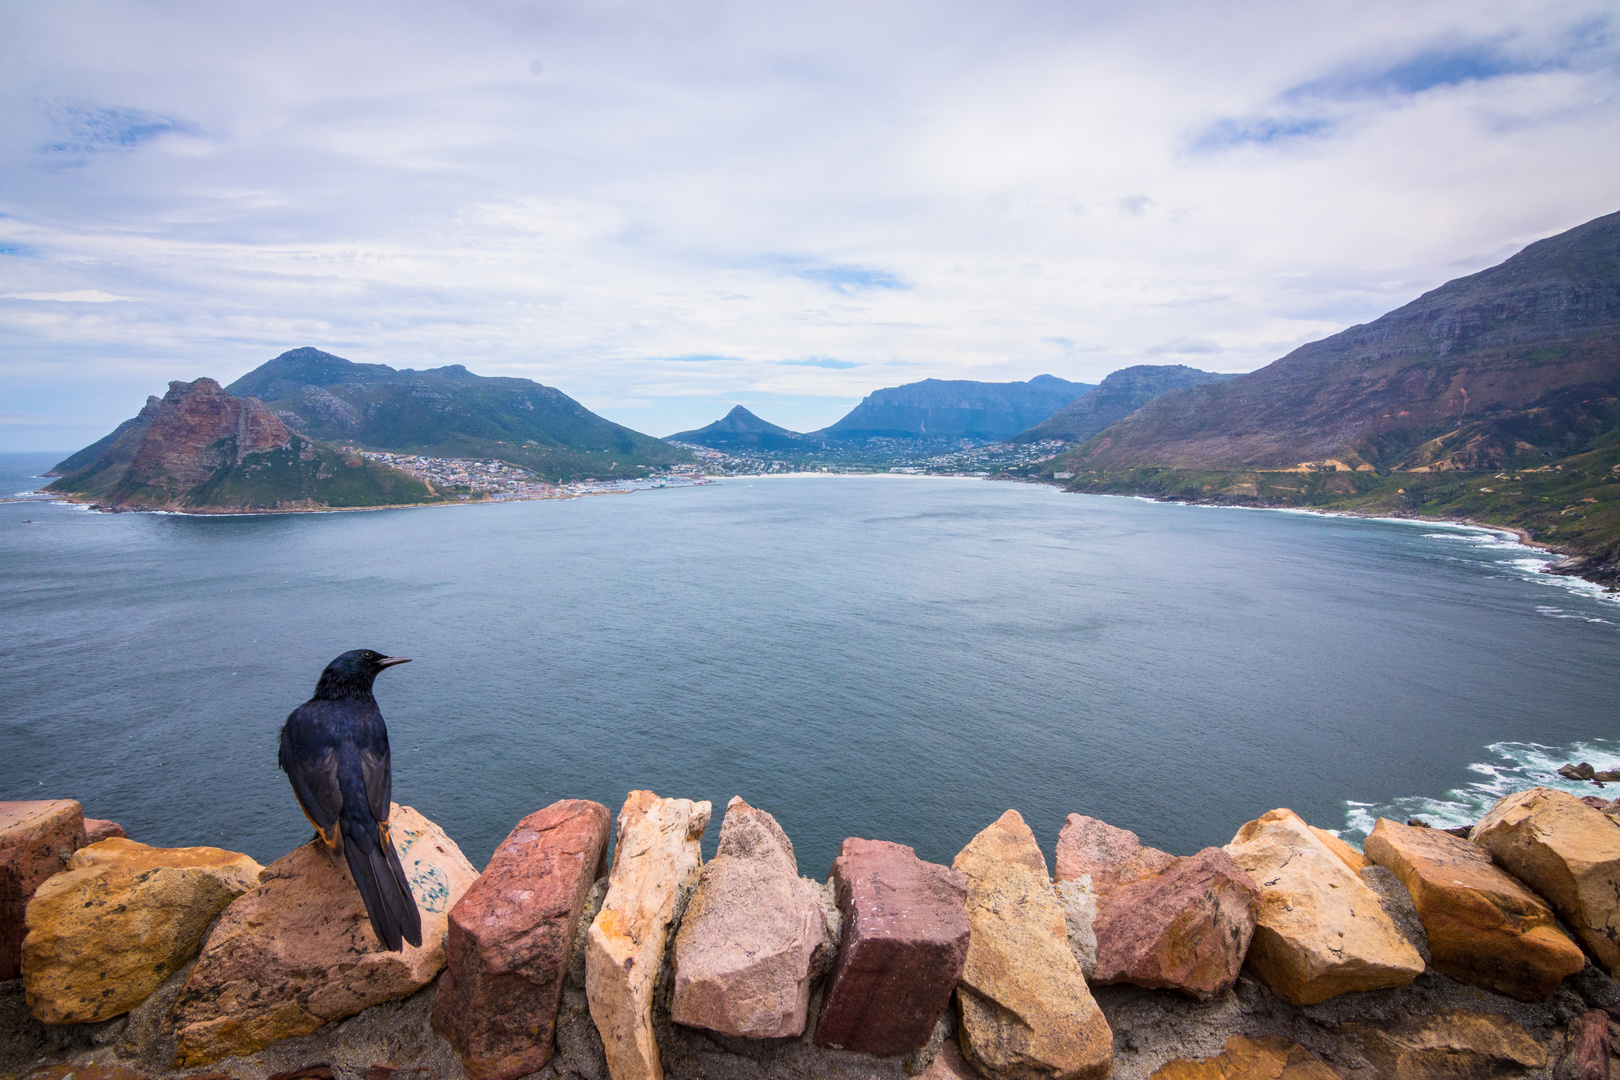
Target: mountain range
1116, 397
740, 429
1495, 397
955, 409
450, 412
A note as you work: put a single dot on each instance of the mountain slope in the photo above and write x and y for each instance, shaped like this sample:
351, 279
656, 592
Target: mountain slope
1518, 363
955, 409
450, 412
200, 448
741, 429
1116, 397
1494, 398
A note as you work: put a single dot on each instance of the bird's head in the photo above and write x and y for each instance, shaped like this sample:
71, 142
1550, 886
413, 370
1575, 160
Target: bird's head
352, 674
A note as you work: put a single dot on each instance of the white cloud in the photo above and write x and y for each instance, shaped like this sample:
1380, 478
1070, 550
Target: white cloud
833, 197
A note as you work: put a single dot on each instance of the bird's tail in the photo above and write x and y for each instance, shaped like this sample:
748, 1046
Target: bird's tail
374, 865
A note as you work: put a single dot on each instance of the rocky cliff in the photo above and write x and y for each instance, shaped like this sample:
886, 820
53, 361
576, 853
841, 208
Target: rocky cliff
1116, 397
201, 448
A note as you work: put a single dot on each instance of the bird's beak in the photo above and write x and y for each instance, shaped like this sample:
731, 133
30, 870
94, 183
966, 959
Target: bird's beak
390, 661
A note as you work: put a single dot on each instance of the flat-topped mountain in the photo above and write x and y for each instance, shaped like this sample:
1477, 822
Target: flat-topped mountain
741, 429
450, 412
201, 448
1115, 398
955, 409
1514, 364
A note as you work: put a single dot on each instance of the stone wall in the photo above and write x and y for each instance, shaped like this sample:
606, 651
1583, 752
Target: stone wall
1287, 953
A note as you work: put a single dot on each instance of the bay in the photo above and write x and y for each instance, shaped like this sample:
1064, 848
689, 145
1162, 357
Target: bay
899, 658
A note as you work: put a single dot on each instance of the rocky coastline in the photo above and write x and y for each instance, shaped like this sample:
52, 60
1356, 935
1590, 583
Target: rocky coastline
1285, 953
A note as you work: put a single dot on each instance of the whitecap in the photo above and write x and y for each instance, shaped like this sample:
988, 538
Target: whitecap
1518, 766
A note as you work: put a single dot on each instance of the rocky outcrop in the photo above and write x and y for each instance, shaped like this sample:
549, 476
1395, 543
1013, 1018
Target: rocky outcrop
905, 939
1569, 854
109, 930
1484, 928
752, 937
1449, 1045
1110, 856
36, 840
511, 937
197, 428
656, 854
1271, 1057
1320, 930
1355, 860
1186, 928
1024, 1008
299, 952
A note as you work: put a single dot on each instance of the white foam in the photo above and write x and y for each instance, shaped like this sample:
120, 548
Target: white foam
1519, 765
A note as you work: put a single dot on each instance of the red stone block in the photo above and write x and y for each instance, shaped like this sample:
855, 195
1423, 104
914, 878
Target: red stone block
36, 841
510, 938
1186, 928
905, 938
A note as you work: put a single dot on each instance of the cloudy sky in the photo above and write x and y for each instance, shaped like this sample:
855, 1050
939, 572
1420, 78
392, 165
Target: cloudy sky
668, 208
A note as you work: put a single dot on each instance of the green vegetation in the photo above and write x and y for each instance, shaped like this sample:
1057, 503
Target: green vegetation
306, 474
1572, 503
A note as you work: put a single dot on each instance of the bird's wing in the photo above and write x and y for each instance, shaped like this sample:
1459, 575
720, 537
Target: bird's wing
376, 770
314, 776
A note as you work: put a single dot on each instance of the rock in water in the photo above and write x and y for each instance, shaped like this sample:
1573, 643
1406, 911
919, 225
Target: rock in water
752, 936
1320, 931
1111, 856
36, 840
511, 937
1270, 1058
112, 928
1186, 928
657, 853
299, 951
1566, 851
1484, 927
904, 943
1025, 1011
1449, 1045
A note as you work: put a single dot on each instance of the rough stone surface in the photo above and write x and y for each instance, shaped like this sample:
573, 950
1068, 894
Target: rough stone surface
298, 952
905, 939
949, 1064
121, 919
1270, 1057
1320, 930
1568, 853
86, 1072
1186, 928
752, 936
1586, 1050
1355, 860
1025, 1011
511, 938
1079, 903
1450, 1045
195, 428
1484, 927
657, 853
36, 840
96, 830
1109, 856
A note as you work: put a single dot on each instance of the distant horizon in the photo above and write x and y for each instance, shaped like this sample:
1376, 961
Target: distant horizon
664, 211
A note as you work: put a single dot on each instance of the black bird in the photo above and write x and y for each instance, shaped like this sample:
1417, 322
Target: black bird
334, 749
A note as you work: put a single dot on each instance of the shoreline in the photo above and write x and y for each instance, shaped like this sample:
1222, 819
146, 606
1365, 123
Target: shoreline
1520, 536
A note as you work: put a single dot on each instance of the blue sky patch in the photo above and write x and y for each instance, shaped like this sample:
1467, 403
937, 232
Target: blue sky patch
92, 129
20, 251
698, 358
845, 277
822, 362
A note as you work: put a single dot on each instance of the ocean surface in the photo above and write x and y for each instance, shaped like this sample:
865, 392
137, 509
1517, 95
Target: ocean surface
898, 658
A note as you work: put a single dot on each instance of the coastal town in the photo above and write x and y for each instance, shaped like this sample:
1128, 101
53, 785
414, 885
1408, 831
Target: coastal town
500, 481
879, 455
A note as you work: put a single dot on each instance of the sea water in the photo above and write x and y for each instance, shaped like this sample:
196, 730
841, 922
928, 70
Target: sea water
897, 658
